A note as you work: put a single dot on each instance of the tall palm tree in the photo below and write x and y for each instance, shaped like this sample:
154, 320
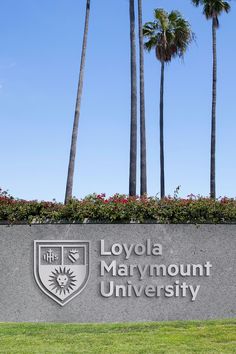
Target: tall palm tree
143, 158
71, 167
133, 121
212, 9
170, 35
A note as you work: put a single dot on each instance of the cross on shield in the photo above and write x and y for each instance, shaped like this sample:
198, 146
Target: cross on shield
61, 268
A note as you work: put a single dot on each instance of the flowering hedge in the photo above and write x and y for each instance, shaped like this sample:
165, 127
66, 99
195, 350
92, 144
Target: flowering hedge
120, 208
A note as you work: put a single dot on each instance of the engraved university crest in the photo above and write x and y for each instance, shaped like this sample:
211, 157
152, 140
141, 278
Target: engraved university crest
61, 268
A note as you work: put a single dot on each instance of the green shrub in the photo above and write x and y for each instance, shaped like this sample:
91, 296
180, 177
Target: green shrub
120, 209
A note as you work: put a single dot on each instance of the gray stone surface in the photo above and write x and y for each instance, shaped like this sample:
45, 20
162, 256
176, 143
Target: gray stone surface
21, 299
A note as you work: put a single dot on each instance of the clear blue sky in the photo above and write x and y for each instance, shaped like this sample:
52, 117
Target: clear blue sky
40, 46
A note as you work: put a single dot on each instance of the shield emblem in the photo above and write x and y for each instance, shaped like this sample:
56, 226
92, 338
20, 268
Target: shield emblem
61, 268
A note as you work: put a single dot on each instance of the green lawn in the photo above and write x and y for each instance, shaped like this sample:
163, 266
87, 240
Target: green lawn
146, 338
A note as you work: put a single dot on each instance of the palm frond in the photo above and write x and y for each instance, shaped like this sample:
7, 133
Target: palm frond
212, 9
151, 43
170, 34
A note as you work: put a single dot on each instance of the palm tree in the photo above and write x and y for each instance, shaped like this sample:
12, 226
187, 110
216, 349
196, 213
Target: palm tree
212, 9
71, 167
133, 122
170, 35
143, 158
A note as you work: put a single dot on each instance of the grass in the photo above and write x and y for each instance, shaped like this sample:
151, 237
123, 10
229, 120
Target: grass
144, 338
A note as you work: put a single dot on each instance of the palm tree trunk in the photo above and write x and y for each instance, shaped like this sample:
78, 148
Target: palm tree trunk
133, 122
213, 115
143, 158
70, 176
162, 166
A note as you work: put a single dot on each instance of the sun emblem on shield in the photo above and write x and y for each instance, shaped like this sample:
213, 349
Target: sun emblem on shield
61, 268
62, 280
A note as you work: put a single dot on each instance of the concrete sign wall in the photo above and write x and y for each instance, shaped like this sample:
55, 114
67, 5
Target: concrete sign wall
115, 273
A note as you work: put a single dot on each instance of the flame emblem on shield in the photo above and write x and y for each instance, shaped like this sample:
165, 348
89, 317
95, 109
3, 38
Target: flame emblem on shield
61, 268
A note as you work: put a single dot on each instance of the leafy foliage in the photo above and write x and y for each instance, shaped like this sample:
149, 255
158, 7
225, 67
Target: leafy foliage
170, 34
120, 209
212, 9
